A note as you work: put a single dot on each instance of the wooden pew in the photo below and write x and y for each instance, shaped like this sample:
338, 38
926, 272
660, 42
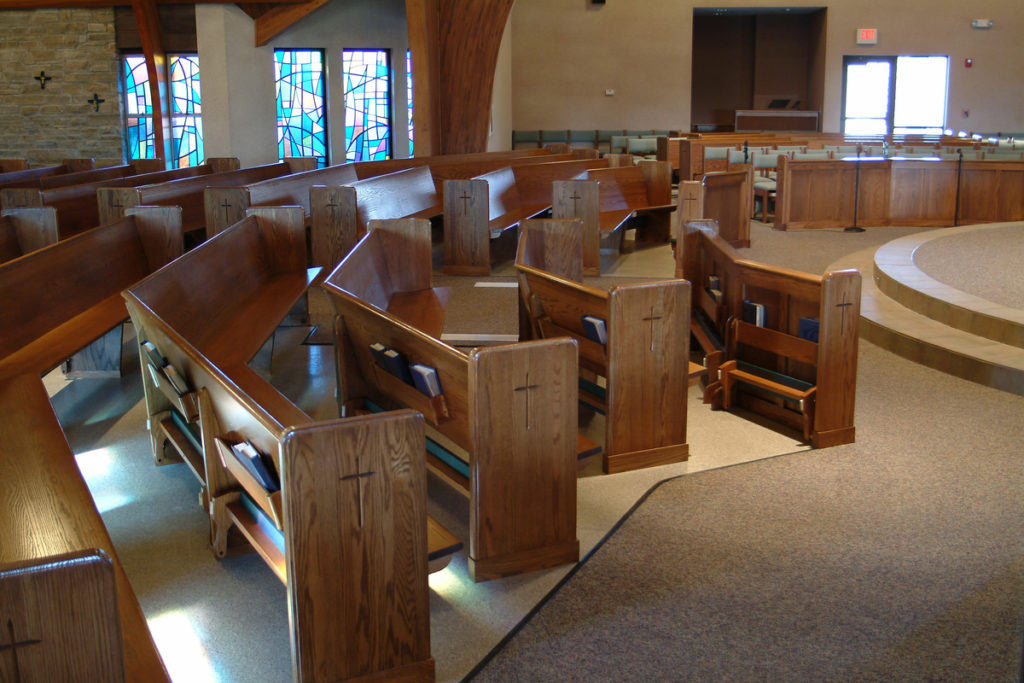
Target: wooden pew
728, 199
356, 578
480, 209
833, 300
187, 193
32, 177
25, 230
76, 205
645, 360
8, 165
91, 175
644, 190
225, 206
503, 429
45, 506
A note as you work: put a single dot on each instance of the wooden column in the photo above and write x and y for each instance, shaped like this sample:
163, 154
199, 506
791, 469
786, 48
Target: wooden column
148, 20
454, 47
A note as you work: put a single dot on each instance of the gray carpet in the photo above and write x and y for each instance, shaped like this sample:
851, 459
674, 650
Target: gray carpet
899, 557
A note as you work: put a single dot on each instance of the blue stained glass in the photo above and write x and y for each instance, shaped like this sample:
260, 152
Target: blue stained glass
301, 115
186, 110
367, 81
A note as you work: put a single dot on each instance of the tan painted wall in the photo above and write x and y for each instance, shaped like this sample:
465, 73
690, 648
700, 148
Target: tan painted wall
565, 53
239, 115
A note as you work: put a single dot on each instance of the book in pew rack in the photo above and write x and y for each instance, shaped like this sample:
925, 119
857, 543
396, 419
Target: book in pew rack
595, 329
753, 313
425, 379
391, 360
808, 329
255, 463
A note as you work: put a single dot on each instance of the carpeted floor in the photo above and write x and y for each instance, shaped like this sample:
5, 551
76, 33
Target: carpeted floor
899, 557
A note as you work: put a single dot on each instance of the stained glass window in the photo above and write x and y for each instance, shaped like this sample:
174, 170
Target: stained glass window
138, 109
186, 110
301, 116
408, 90
367, 76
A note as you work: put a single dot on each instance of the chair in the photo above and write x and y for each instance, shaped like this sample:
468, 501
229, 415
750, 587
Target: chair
525, 138
764, 180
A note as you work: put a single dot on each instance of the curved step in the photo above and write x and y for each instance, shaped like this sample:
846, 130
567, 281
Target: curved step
897, 328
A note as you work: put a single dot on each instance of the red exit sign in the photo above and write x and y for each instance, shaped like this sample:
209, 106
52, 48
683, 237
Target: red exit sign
867, 36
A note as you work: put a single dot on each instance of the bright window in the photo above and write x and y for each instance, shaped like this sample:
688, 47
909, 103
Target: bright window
301, 116
901, 95
186, 110
367, 76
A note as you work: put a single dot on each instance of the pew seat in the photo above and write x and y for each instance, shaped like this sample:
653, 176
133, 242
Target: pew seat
627, 192
784, 346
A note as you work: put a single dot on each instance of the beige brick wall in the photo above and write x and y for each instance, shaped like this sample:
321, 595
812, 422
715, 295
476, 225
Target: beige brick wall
75, 47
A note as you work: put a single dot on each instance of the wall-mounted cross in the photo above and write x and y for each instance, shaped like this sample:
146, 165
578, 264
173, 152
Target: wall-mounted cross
96, 100
42, 78
13, 644
650, 319
465, 197
358, 477
526, 389
844, 305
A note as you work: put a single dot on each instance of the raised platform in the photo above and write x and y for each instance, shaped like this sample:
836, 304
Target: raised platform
909, 312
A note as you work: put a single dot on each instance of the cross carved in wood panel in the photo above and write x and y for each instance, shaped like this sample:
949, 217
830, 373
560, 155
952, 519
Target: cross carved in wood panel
526, 388
844, 305
575, 198
358, 477
226, 205
650, 319
465, 197
11, 645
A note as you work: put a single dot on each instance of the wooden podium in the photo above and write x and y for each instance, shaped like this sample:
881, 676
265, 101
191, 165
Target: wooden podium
794, 120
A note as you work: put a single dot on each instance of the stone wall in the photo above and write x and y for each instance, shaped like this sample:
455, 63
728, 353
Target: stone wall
76, 49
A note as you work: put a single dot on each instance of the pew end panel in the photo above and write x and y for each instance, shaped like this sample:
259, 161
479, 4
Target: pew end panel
647, 347
647, 375
837, 360
523, 468
467, 240
25, 230
355, 499
580, 199
64, 610
727, 198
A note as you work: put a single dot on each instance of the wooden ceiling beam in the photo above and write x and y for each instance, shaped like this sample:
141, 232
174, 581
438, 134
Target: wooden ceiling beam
277, 19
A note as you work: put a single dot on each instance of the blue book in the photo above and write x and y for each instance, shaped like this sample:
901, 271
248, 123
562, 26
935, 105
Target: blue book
425, 379
808, 329
595, 329
753, 313
254, 463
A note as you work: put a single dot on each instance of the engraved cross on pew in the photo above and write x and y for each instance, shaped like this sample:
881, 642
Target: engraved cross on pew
575, 198
358, 477
526, 390
650, 319
13, 644
842, 320
465, 201
226, 205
